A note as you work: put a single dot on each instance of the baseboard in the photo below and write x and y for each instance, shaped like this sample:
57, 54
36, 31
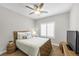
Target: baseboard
55, 44
1, 52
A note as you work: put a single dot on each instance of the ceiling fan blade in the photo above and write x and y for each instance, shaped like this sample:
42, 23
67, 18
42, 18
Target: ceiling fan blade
31, 13
41, 5
29, 7
44, 11
35, 6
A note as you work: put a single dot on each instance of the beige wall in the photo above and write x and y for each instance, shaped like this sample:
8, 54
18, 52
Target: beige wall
9, 22
74, 17
61, 26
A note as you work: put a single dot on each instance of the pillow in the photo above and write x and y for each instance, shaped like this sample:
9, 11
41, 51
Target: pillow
24, 37
29, 35
21, 35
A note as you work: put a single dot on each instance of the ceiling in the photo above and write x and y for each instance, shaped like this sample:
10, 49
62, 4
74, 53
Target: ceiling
52, 8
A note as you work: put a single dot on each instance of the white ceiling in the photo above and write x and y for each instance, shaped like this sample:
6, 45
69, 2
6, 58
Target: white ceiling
52, 8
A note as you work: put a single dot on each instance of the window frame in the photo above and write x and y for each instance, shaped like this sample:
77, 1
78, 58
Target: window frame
46, 30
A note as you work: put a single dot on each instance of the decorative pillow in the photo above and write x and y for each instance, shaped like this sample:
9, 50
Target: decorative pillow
29, 35
22, 35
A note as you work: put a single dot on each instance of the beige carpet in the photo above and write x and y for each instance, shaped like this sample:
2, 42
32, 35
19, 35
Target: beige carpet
55, 52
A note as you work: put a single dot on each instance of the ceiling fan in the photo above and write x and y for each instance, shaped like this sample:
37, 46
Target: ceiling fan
37, 8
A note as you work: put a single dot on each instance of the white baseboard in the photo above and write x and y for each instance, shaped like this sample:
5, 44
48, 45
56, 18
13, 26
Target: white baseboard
55, 44
1, 52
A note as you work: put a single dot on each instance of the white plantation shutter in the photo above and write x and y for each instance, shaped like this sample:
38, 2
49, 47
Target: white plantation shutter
43, 29
47, 29
50, 30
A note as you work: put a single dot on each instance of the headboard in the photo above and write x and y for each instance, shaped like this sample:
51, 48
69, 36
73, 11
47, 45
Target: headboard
15, 35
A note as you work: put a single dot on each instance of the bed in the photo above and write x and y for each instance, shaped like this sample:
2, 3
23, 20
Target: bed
34, 46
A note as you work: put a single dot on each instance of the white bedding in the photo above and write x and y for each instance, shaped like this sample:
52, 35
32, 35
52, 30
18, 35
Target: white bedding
31, 46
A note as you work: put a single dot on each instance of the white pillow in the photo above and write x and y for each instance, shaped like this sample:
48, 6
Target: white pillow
29, 35
21, 35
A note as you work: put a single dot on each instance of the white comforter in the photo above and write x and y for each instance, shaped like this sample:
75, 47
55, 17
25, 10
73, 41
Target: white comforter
31, 46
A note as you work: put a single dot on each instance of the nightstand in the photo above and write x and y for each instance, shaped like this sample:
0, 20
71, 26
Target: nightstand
11, 47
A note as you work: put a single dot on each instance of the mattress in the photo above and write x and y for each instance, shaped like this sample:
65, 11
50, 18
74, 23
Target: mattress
31, 46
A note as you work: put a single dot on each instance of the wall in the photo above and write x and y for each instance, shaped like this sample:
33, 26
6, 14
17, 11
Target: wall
74, 17
61, 26
9, 22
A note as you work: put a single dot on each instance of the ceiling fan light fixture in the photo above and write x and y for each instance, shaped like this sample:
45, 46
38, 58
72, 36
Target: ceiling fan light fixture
37, 9
37, 12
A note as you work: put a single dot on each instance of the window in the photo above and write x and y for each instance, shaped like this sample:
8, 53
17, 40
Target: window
47, 29
43, 29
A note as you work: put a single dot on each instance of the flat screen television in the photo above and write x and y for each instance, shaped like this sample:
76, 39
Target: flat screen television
73, 40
